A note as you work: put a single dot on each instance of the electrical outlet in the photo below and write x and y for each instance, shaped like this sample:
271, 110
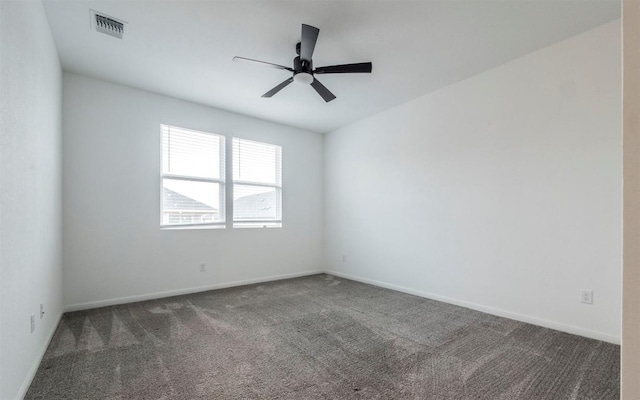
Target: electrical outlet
41, 310
33, 322
586, 296
203, 267
344, 258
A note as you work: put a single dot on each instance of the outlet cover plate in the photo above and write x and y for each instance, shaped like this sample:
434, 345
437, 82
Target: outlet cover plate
586, 296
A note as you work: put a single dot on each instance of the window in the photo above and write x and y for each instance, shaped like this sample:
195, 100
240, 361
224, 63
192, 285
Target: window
193, 178
257, 184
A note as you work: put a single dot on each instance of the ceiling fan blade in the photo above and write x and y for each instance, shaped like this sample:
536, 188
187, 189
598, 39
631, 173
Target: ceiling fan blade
278, 88
308, 41
322, 91
345, 69
272, 65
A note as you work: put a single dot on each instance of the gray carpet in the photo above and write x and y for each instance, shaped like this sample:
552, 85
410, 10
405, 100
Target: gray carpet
317, 337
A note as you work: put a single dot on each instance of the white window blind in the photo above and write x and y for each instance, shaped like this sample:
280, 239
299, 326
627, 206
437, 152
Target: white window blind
193, 178
257, 184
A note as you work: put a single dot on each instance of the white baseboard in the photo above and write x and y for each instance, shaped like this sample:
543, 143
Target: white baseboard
486, 309
36, 363
178, 292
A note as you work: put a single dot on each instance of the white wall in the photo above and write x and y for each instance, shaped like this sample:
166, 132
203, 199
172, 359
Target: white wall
501, 192
113, 245
30, 191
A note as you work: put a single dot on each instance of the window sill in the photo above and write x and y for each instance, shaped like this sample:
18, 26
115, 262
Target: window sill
189, 227
257, 225
236, 225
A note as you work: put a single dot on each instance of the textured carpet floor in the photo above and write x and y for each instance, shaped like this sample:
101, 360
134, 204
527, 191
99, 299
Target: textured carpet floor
317, 337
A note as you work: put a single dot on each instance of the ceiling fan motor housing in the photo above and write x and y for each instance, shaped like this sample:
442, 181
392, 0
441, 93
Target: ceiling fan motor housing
300, 65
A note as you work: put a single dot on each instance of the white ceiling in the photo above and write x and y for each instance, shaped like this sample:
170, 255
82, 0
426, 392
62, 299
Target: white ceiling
184, 48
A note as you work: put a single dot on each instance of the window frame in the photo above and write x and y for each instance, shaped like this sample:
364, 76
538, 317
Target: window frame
226, 184
222, 182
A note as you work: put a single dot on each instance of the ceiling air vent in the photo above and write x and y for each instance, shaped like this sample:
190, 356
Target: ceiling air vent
109, 25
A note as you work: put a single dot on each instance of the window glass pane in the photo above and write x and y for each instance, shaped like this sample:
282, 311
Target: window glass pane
256, 162
188, 202
256, 203
192, 153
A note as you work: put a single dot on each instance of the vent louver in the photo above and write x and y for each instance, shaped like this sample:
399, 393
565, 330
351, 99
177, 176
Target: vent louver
108, 25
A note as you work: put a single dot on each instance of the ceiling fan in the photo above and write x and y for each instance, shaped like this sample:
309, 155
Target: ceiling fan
303, 71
